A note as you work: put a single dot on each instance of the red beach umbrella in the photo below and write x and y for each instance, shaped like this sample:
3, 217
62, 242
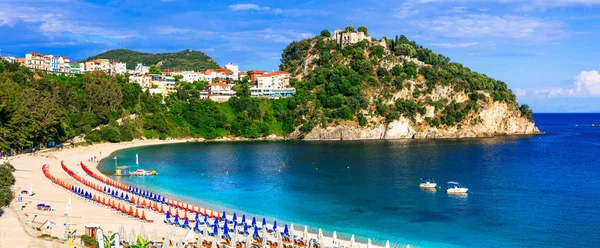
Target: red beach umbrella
136, 213
161, 208
130, 210
143, 215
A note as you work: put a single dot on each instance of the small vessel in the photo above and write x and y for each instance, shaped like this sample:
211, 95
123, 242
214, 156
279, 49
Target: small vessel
427, 182
456, 188
124, 170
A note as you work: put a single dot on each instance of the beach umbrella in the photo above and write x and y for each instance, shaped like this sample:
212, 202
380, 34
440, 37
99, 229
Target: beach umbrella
205, 213
104, 189
196, 217
225, 230
335, 237
136, 213
275, 226
176, 220
196, 226
387, 244
286, 230
188, 237
168, 215
216, 228
126, 196
254, 221
264, 222
245, 228
234, 217
352, 242
121, 231
248, 241
280, 242
143, 233
154, 236
243, 218
122, 195
132, 236
320, 235
186, 222
255, 234
305, 233
369, 243
205, 219
224, 216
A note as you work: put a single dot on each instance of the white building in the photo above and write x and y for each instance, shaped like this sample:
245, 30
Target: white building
165, 83
144, 80
218, 92
343, 37
35, 60
139, 69
273, 85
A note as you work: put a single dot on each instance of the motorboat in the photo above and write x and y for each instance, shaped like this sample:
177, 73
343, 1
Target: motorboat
456, 188
427, 182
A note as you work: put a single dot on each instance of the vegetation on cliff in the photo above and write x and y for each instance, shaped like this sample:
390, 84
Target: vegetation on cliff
365, 84
183, 60
386, 79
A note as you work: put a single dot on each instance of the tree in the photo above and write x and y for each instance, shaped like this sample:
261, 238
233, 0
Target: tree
325, 33
526, 112
405, 50
111, 134
349, 29
154, 70
363, 29
7, 180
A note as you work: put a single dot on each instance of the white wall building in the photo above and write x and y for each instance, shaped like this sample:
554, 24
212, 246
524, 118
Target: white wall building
273, 85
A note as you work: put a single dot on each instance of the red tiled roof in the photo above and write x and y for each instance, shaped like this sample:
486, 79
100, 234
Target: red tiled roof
274, 74
73, 63
36, 54
218, 84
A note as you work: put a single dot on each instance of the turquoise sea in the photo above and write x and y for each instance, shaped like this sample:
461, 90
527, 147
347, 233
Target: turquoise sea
525, 191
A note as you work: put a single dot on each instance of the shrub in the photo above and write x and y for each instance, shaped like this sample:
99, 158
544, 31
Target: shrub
111, 134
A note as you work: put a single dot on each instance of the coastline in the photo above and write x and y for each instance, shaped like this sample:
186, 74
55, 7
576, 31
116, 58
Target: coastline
28, 171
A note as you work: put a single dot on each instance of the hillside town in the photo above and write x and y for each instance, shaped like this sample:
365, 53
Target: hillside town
219, 82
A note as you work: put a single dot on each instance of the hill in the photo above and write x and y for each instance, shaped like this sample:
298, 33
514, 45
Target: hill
183, 60
394, 88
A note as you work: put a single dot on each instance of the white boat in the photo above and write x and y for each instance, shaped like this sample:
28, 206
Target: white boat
456, 188
427, 182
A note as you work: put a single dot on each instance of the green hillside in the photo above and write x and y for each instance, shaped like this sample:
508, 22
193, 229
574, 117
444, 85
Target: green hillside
183, 60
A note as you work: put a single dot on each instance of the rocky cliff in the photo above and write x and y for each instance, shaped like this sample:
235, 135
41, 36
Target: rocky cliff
395, 89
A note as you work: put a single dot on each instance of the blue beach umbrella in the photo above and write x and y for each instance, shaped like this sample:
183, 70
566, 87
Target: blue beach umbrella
176, 220
126, 196
255, 235
216, 228
253, 221
234, 217
244, 218
186, 222
225, 230
264, 223
205, 219
196, 226
274, 225
196, 217
122, 195
104, 189
216, 222
224, 216
168, 215
245, 227
72, 188
285, 230
109, 191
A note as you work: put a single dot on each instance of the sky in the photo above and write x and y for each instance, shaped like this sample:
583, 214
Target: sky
547, 51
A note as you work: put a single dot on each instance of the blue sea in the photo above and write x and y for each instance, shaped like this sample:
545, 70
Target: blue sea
524, 191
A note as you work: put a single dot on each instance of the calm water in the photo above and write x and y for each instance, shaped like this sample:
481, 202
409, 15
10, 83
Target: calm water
539, 191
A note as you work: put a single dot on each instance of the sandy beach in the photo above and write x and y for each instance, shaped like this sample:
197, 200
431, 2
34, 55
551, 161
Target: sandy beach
19, 220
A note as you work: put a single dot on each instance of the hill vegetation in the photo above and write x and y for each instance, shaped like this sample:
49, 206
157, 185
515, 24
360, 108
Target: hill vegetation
367, 84
387, 79
183, 60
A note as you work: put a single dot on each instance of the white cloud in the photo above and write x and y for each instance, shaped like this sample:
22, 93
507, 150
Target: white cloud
455, 45
586, 84
488, 26
247, 6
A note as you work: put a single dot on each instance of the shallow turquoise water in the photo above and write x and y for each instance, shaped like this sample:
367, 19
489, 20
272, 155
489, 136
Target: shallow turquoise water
528, 191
